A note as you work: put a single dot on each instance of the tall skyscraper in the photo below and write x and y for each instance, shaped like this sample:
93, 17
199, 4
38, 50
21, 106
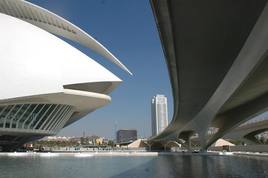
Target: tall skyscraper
159, 114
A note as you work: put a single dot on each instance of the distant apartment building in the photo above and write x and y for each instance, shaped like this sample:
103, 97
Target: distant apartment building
126, 135
159, 114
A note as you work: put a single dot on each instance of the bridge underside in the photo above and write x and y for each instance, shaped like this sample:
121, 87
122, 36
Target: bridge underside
216, 54
247, 133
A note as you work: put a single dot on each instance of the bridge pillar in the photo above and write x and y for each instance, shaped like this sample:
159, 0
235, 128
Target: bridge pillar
203, 141
156, 146
189, 145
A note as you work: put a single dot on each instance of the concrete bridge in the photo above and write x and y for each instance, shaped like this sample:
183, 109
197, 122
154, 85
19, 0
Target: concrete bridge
247, 132
216, 54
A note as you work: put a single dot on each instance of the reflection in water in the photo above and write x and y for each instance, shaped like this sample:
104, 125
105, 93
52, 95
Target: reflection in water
200, 166
133, 167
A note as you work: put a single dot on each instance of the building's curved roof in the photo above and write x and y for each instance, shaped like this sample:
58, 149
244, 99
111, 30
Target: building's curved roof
36, 62
55, 24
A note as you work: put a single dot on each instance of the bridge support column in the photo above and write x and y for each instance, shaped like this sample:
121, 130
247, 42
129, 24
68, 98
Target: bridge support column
189, 144
203, 141
149, 146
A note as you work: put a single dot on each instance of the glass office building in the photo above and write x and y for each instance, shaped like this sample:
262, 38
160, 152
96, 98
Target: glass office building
126, 136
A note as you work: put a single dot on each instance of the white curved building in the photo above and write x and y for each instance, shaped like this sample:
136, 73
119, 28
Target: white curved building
46, 84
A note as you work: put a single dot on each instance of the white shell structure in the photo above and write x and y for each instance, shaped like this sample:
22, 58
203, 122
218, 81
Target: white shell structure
46, 84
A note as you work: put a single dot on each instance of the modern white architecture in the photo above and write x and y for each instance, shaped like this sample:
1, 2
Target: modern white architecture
46, 84
159, 114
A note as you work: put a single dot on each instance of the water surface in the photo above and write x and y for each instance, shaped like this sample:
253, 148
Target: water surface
165, 166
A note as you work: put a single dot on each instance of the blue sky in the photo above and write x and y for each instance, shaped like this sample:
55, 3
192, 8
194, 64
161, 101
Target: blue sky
128, 30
